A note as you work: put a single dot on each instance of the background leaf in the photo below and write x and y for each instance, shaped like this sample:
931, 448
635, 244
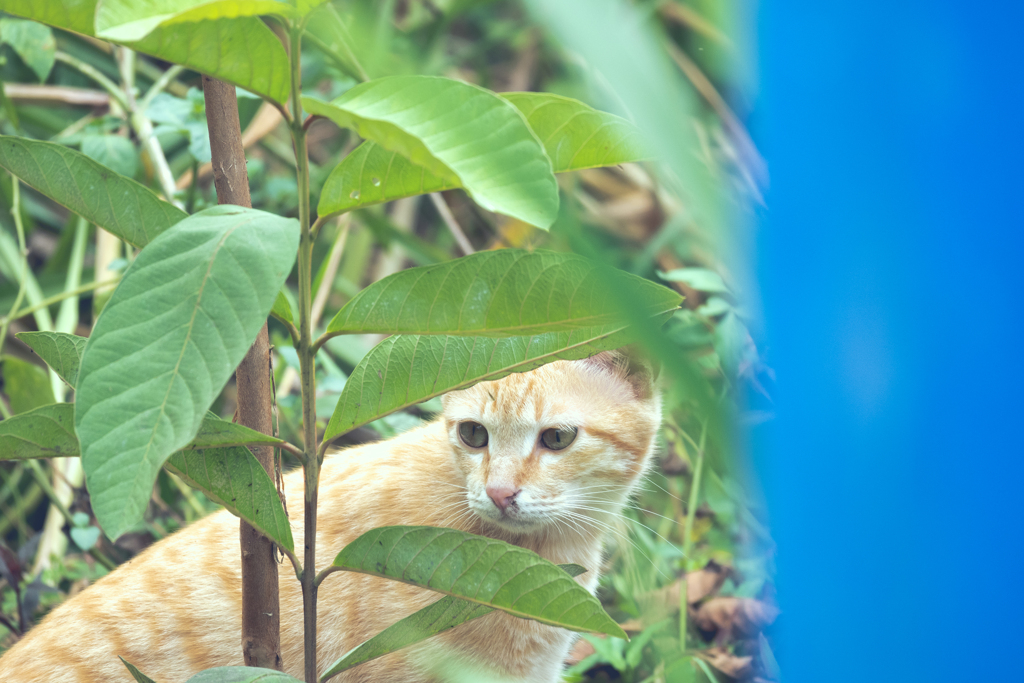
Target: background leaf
46, 432
234, 478
33, 42
117, 204
437, 617
116, 152
455, 131
499, 293
575, 136
62, 352
481, 570
26, 384
404, 370
172, 333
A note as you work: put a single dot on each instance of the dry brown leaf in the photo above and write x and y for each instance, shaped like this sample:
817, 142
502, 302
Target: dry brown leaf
729, 664
580, 651
729, 617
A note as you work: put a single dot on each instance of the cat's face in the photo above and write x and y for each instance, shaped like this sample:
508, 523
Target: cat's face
556, 446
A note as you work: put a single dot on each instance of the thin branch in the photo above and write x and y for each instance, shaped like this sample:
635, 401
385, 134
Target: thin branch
324, 574
330, 270
22, 280
453, 226
161, 84
61, 94
57, 298
96, 75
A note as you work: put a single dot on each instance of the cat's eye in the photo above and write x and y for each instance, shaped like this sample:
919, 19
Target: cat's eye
557, 439
473, 434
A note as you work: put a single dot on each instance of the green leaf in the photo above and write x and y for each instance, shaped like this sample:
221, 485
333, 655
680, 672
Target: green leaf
33, 42
131, 20
117, 204
577, 136
241, 674
46, 432
116, 152
373, 175
234, 478
437, 617
215, 432
404, 370
282, 310
499, 293
62, 352
26, 384
701, 279
326, 30
482, 570
574, 135
136, 674
242, 51
458, 132
172, 333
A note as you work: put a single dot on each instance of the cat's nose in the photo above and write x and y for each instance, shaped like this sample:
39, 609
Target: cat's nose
502, 496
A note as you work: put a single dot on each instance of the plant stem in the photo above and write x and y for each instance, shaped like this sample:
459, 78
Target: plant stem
95, 74
261, 608
160, 85
56, 298
306, 355
22, 282
691, 513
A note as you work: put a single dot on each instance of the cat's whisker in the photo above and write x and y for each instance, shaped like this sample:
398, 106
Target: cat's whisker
584, 519
627, 519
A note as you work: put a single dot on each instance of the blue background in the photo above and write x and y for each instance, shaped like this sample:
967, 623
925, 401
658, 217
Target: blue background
891, 265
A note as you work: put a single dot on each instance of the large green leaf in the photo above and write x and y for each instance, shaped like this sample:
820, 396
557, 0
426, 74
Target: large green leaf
172, 333
26, 384
404, 369
46, 432
234, 478
574, 135
131, 20
577, 136
243, 50
373, 175
499, 293
459, 132
62, 352
73, 15
215, 432
437, 617
241, 674
117, 204
482, 570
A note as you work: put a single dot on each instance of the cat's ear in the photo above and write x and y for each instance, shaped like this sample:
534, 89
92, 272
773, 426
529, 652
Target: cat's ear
630, 365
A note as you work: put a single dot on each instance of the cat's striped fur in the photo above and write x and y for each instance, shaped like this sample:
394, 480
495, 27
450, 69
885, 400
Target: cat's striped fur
176, 608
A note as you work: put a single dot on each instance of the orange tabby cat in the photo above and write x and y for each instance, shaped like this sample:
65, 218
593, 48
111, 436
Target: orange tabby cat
544, 459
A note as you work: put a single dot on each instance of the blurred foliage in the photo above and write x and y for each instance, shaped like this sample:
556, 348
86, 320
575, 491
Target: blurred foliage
632, 216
